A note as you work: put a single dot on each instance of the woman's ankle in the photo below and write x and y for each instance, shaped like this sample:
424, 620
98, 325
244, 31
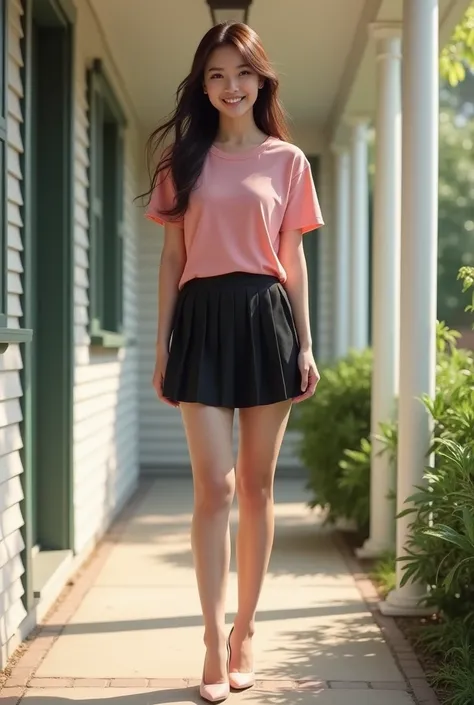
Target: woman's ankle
214, 637
243, 629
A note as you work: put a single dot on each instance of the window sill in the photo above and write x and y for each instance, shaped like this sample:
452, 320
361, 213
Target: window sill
109, 340
9, 336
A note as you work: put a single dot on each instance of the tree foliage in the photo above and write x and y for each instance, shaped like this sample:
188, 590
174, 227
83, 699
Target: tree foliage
458, 55
456, 216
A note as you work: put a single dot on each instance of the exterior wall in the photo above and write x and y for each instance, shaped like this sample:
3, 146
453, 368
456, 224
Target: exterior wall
161, 437
12, 610
105, 385
105, 382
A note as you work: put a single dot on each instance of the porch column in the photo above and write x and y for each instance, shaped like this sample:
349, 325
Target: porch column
418, 267
359, 234
386, 281
342, 244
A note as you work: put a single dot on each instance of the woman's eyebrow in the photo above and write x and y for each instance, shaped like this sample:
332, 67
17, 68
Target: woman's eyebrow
217, 68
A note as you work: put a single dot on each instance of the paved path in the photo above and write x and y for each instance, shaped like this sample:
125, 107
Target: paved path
133, 630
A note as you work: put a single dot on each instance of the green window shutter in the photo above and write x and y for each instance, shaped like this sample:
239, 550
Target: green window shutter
106, 195
96, 209
113, 229
3, 162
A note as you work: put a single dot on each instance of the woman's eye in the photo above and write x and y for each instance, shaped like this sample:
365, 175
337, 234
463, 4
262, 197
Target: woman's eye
246, 72
216, 75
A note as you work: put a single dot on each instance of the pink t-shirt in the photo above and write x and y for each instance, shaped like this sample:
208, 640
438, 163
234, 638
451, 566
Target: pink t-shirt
241, 204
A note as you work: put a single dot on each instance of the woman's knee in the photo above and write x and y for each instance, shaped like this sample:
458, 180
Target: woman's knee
253, 489
214, 493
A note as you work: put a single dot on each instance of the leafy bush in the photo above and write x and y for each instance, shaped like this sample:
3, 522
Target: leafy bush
441, 544
451, 643
384, 572
440, 549
336, 419
335, 425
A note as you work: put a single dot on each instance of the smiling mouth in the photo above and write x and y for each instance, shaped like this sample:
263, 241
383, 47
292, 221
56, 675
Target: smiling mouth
233, 101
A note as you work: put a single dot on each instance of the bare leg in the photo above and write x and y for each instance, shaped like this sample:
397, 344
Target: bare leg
261, 433
209, 436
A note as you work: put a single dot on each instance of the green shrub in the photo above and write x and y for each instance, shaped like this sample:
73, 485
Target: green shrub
466, 274
384, 572
333, 420
354, 481
441, 544
440, 548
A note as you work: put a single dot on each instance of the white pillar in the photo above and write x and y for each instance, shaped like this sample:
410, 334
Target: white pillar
359, 234
386, 281
342, 245
418, 267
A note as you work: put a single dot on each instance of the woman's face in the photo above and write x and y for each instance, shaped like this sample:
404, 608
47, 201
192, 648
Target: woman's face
232, 85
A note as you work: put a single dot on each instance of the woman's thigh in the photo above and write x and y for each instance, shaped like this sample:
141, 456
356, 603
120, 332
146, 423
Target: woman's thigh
209, 436
261, 433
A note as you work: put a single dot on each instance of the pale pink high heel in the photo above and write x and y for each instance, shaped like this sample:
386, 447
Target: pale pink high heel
215, 692
237, 679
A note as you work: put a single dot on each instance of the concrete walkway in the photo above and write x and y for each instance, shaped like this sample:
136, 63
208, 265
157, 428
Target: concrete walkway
133, 632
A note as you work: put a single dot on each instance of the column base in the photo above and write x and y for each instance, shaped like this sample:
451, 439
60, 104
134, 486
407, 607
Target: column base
345, 524
373, 549
401, 604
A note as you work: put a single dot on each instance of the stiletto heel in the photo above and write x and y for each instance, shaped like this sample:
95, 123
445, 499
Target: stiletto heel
237, 679
215, 692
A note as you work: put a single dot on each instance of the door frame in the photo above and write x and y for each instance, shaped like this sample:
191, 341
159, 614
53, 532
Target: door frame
59, 14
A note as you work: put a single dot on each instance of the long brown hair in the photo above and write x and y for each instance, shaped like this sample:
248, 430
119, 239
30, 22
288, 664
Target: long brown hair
195, 120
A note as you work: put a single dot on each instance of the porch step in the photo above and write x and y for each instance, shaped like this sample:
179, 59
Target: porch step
50, 570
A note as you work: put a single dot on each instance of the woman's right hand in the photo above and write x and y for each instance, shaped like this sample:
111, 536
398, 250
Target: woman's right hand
159, 375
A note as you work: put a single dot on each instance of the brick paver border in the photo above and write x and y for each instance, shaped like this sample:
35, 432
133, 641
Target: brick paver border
26, 660
305, 685
401, 649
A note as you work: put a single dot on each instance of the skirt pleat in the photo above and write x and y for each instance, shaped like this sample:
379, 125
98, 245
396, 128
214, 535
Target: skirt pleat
234, 343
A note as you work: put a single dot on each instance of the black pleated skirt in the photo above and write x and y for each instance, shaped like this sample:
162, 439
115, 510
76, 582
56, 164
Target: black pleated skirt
234, 343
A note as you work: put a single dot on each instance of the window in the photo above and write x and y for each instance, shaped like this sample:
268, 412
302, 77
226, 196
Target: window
3, 164
106, 183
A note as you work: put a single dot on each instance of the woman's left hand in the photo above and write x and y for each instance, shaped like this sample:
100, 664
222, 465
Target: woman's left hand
309, 375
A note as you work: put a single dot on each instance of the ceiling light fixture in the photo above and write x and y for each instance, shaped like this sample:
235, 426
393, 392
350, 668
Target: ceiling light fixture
229, 10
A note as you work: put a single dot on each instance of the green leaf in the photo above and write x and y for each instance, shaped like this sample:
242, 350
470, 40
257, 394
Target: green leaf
446, 533
452, 573
468, 518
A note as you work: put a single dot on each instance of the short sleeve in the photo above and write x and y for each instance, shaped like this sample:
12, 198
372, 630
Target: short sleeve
302, 210
163, 199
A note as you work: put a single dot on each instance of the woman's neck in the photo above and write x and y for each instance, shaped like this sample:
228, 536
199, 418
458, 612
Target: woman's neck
239, 133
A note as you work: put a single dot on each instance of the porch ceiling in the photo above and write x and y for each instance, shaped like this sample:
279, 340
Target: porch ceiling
321, 50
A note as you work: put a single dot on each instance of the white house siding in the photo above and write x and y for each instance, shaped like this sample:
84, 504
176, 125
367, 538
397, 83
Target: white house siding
105, 381
162, 440
12, 611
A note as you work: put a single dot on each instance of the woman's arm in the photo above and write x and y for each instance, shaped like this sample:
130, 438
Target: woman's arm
173, 259
291, 255
292, 258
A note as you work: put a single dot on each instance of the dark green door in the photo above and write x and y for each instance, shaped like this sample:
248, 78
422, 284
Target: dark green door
48, 289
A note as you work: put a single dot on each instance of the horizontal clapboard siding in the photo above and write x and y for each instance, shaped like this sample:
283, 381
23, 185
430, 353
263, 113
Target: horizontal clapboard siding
106, 381
12, 611
162, 440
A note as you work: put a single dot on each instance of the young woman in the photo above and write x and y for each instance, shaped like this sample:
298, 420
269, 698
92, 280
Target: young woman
235, 198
